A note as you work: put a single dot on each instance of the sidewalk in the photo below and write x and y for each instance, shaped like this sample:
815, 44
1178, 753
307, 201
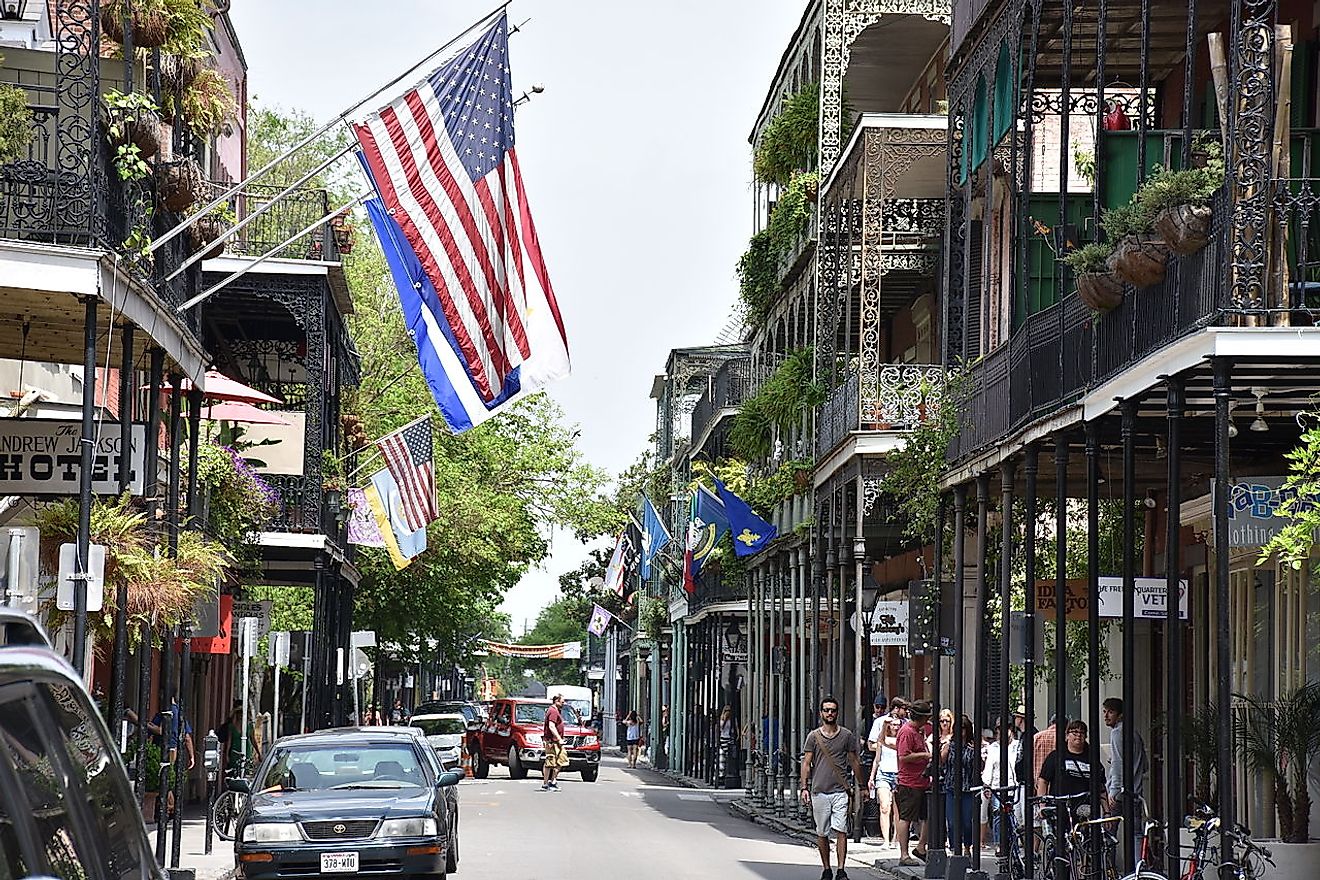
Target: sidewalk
192, 849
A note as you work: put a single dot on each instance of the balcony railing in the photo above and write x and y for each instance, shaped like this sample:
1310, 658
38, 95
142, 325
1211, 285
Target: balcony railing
897, 397
728, 387
282, 220
301, 508
716, 586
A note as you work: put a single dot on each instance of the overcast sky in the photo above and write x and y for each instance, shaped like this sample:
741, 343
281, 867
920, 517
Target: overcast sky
636, 161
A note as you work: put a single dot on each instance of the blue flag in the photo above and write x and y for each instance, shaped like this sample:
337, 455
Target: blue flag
707, 525
750, 532
654, 535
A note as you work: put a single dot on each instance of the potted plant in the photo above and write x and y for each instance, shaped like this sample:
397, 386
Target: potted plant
179, 184
1280, 739
208, 103
209, 228
134, 119
1097, 285
1139, 255
151, 22
178, 72
1179, 203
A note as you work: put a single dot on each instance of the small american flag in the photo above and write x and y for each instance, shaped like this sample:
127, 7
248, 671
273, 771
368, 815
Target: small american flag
442, 159
408, 454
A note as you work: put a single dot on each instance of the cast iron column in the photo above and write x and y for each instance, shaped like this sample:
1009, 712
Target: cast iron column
936, 854
1006, 477
1031, 467
86, 448
1173, 761
1223, 393
1060, 624
1092, 433
1128, 412
125, 474
960, 651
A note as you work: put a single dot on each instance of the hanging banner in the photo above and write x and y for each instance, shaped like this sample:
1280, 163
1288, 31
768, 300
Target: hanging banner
1149, 602
564, 651
43, 457
219, 643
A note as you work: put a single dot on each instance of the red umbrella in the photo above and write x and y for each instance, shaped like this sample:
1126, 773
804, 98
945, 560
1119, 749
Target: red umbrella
237, 411
221, 387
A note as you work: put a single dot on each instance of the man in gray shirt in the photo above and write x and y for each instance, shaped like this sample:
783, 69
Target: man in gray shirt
825, 786
1112, 709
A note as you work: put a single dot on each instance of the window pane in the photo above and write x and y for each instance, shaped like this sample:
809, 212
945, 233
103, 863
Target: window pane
40, 781
111, 807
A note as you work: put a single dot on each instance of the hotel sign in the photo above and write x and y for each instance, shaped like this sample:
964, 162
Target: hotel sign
44, 457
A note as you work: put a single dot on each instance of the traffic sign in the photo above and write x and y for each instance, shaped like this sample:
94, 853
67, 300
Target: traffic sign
279, 649
65, 597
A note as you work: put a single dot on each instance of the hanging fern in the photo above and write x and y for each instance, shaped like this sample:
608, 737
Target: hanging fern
789, 142
758, 275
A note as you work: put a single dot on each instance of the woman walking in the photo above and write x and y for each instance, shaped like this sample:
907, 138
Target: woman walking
967, 803
633, 735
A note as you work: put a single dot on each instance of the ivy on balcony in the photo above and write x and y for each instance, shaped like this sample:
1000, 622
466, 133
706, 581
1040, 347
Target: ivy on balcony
758, 269
789, 143
779, 404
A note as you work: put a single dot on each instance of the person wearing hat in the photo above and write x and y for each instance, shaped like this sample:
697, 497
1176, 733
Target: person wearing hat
913, 757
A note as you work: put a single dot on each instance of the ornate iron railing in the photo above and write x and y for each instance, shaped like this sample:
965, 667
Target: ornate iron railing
728, 387
285, 218
903, 396
717, 586
301, 508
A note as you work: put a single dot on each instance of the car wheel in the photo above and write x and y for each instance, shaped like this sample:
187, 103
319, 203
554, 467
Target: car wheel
451, 857
482, 769
517, 769
589, 774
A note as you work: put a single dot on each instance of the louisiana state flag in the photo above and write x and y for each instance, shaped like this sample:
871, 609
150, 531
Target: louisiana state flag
707, 523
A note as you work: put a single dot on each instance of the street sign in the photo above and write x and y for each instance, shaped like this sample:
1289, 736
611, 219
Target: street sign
279, 649
258, 611
363, 638
206, 616
19, 561
65, 597
361, 664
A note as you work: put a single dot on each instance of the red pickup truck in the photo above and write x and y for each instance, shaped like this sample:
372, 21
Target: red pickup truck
513, 735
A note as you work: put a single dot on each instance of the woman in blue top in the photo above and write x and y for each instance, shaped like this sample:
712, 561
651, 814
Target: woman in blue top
970, 807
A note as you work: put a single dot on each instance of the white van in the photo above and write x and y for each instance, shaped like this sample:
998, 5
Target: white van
577, 697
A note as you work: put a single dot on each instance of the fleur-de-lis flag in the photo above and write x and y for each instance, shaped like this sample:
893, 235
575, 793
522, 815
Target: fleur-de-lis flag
750, 533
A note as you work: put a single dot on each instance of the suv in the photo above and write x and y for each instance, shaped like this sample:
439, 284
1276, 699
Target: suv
512, 735
66, 809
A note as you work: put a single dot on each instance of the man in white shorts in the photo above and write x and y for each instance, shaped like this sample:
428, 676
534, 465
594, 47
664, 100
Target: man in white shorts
825, 786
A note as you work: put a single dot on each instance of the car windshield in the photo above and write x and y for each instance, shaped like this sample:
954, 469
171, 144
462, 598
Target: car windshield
440, 726
534, 713
325, 766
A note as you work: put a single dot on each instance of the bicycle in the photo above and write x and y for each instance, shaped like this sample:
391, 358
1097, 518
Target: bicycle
228, 805
1145, 856
1249, 858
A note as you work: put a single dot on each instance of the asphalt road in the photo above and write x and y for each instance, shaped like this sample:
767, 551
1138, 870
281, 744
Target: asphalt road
628, 825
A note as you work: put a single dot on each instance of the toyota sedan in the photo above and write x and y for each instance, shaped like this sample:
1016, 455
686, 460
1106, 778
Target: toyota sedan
348, 801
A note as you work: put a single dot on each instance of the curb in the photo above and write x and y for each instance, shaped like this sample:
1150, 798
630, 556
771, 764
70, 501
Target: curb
743, 810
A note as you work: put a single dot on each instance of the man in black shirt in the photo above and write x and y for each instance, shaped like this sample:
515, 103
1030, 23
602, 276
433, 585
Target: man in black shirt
1076, 767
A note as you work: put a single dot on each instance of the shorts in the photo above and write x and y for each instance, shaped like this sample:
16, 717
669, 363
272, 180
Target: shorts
830, 812
911, 803
889, 779
556, 755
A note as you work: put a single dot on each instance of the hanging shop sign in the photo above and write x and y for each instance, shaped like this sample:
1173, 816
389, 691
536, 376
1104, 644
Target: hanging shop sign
43, 457
1253, 507
1150, 600
889, 624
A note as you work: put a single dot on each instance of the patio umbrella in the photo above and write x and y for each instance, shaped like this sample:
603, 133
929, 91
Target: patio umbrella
237, 411
221, 387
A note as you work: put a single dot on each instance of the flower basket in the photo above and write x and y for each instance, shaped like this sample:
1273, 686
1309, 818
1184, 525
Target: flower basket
1139, 259
1101, 291
204, 233
151, 28
802, 480
139, 126
1184, 228
179, 184
177, 73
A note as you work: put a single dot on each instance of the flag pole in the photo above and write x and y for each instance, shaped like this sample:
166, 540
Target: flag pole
234, 276
266, 169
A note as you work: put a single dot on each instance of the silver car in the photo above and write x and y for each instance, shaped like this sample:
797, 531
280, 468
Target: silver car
446, 734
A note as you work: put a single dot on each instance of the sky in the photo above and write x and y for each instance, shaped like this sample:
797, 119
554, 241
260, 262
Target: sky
636, 160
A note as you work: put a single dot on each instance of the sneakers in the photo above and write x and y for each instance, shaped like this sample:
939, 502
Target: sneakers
554, 786
909, 861
827, 874
841, 874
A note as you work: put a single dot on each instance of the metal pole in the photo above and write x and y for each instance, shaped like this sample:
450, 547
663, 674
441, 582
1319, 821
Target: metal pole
1060, 625
1173, 763
1006, 477
1031, 467
1128, 414
118, 723
935, 850
194, 499
172, 472
245, 653
306, 672
960, 643
87, 447
1092, 433
181, 768
1223, 394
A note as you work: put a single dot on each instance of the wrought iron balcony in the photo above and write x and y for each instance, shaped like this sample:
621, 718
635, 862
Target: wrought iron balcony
728, 387
301, 507
284, 219
896, 397
717, 586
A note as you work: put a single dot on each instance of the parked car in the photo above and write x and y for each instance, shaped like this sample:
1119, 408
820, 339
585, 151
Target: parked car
469, 710
574, 695
371, 800
20, 628
446, 734
513, 736
66, 808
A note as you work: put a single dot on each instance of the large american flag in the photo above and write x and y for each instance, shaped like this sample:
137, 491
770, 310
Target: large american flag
409, 456
442, 159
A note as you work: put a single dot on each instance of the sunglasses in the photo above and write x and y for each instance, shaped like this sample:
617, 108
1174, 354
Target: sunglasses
829, 711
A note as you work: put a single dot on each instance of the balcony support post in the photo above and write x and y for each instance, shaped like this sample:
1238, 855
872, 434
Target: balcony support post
753, 719
936, 854
1060, 623
1006, 478
1128, 429
1175, 805
1092, 433
150, 477
1223, 394
796, 733
120, 667
1031, 468
957, 861
87, 447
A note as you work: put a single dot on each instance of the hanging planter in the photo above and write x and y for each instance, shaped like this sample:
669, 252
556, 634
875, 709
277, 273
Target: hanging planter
1139, 259
151, 26
205, 233
133, 119
1100, 291
345, 236
1184, 228
179, 184
178, 72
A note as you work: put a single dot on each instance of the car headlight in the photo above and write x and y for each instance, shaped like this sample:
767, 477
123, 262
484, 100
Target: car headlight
419, 827
533, 739
270, 832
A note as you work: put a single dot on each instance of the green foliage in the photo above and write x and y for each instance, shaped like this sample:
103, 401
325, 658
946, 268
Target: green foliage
1084, 162
789, 142
791, 218
779, 403
188, 21
654, 617
1169, 189
758, 276
1131, 218
1300, 493
752, 434
1089, 258
272, 132
15, 123
1280, 739
914, 474
239, 503
208, 103
762, 492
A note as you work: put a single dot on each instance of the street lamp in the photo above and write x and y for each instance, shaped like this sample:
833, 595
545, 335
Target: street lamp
734, 641
14, 9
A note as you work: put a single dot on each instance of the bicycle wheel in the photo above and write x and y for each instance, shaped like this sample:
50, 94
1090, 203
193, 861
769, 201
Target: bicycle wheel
224, 814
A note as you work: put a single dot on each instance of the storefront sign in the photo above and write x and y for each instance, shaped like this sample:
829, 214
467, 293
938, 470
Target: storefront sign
43, 457
1149, 602
1253, 505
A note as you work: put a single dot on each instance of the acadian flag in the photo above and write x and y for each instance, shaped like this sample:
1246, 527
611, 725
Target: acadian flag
750, 532
455, 225
707, 523
386, 504
600, 621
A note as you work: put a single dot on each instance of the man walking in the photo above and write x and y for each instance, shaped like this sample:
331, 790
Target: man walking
556, 755
825, 788
913, 758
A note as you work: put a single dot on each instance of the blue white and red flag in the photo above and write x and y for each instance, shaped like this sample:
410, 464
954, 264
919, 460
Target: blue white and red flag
453, 218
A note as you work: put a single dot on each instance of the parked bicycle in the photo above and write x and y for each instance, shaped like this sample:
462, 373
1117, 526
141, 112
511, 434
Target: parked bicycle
1250, 860
1146, 855
228, 805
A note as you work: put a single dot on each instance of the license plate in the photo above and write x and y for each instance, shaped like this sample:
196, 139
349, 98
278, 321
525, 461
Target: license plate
339, 863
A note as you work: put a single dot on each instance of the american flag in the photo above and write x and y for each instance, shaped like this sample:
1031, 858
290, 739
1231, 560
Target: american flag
442, 159
408, 454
